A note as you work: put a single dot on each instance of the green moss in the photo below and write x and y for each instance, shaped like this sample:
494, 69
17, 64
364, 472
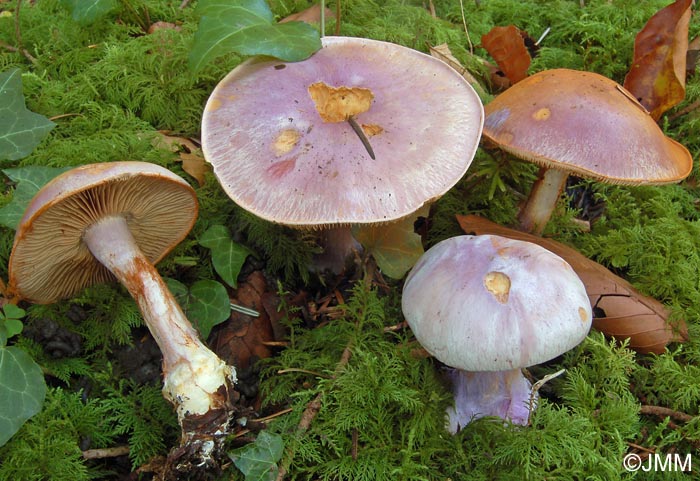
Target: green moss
111, 88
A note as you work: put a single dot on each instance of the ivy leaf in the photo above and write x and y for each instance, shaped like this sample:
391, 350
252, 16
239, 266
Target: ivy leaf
206, 303
258, 461
86, 12
22, 390
227, 256
21, 130
246, 27
29, 181
395, 246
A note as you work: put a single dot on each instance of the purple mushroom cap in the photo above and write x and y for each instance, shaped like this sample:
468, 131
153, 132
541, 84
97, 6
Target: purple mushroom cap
276, 156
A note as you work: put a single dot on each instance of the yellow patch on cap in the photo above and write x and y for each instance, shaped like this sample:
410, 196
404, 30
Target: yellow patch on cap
285, 141
336, 104
542, 114
498, 284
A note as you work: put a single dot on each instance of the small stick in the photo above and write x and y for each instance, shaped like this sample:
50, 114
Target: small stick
665, 412
466, 30
361, 134
337, 17
106, 452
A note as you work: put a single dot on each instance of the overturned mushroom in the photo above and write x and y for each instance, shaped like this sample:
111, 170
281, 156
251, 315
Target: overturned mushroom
580, 123
99, 222
362, 133
489, 306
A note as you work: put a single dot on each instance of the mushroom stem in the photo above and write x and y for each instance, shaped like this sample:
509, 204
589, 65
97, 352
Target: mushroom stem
506, 394
196, 381
338, 244
538, 208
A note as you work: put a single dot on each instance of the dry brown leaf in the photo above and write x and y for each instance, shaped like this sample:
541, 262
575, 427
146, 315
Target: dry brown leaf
242, 338
628, 313
507, 47
443, 52
657, 75
190, 154
310, 15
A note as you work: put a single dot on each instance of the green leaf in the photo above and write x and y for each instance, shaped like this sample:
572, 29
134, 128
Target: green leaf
206, 303
227, 256
10, 311
395, 246
20, 129
22, 390
13, 327
258, 461
86, 12
246, 27
29, 180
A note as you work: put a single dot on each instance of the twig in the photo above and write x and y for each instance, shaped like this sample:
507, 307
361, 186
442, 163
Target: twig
304, 371
63, 116
184, 4
310, 413
466, 30
361, 134
431, 8
641, 448
337, 17
106, 452
684, 111
18, 38
665, 412
264, 420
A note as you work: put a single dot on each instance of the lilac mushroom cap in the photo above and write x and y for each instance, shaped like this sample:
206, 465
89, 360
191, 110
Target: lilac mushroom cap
488, 303
277, 137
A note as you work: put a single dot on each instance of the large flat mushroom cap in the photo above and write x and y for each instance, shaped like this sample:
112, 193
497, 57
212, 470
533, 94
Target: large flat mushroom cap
50, 261
587, 124
276, 157
489, 303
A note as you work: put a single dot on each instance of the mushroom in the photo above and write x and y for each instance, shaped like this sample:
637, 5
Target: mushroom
99, 222
489, 306
361, 133
572, 122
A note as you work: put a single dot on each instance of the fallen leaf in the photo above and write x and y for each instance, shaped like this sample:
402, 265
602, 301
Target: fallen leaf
395, 246
311, 15
627, 312
242, 338
507, 47
195, 165
657, 75
190, 154
443, 52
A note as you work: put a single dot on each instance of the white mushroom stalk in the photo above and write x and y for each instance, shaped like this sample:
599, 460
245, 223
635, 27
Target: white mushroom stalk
196, 381
99, 222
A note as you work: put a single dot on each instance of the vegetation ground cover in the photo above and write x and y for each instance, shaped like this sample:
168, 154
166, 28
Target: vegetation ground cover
112, 88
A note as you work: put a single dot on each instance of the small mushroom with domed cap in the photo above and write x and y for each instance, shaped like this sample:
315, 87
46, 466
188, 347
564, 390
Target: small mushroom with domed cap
102, 222
489, 306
